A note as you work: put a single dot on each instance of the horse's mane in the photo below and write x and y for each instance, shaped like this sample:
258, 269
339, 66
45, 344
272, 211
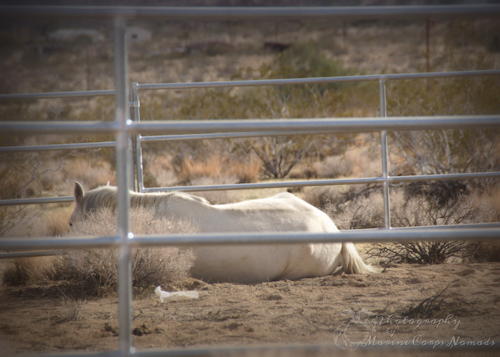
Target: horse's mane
105, 196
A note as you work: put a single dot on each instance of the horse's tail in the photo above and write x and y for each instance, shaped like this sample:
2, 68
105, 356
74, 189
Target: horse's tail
353, 263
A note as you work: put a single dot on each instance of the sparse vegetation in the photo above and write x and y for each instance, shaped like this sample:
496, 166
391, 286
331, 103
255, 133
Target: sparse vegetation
416, 211
150, 266
441, 304
43, 299
97, 269
322, 53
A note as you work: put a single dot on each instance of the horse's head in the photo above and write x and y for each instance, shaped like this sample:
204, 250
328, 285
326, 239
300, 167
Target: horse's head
77, 214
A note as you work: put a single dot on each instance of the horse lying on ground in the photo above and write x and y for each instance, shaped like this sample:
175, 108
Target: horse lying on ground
242, 263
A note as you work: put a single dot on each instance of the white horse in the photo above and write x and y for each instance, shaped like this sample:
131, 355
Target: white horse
243, 263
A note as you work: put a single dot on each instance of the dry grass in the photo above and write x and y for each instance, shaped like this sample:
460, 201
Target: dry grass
35, 222
90, 172
217, 167
246, 171
216, 197
368, 212
150, 266
25, 271
324, 196
358, 161
192, 169
441, 304
39, 221
97, 269
160, 168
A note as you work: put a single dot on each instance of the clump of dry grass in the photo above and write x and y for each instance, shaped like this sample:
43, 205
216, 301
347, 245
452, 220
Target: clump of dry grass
91, 173
216, 197
217, 166
359, 161
98, 269
36, 222
160, 168
324, 197
246, 171
25, 271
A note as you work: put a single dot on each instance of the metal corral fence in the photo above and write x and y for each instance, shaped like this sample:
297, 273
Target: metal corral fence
123, 128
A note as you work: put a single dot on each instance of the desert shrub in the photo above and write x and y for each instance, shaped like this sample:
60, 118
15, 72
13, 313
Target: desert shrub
441, 304
361, 161
429, 211
215, 167
279, 155
368, 212
36, 222
193, 169
33, 221
246, 170
365, 212
484, 251
451, 150
158, 171
324, 197
98, 269
303, 60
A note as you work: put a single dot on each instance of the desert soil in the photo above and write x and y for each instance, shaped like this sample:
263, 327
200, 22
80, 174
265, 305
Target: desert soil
59, 318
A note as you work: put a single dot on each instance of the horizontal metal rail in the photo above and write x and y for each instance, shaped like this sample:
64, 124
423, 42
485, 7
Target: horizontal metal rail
317, 349
14, 255
263, 185
445, 177
316, 80
30, 254
475, 226
224, 135
332, 182
73, 146
295, 349
59, 127
214, 239
69, 94
253, 13
218, 84
250, 83
456, 226
365, 124
325, 125
354, 236
36, 201
60, 243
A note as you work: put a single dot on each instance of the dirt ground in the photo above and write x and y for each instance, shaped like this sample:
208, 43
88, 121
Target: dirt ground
340, 309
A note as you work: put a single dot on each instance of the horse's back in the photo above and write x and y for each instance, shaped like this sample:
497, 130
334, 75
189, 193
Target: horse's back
249, 263
281, 213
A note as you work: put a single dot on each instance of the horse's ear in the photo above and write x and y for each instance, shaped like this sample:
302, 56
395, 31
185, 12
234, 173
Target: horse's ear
79, 192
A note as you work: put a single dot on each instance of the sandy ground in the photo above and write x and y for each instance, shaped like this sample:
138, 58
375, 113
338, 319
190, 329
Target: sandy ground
339, 310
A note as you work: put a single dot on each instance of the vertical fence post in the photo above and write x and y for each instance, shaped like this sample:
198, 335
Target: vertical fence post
130, 169
122, 112
138, 148
385, 171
